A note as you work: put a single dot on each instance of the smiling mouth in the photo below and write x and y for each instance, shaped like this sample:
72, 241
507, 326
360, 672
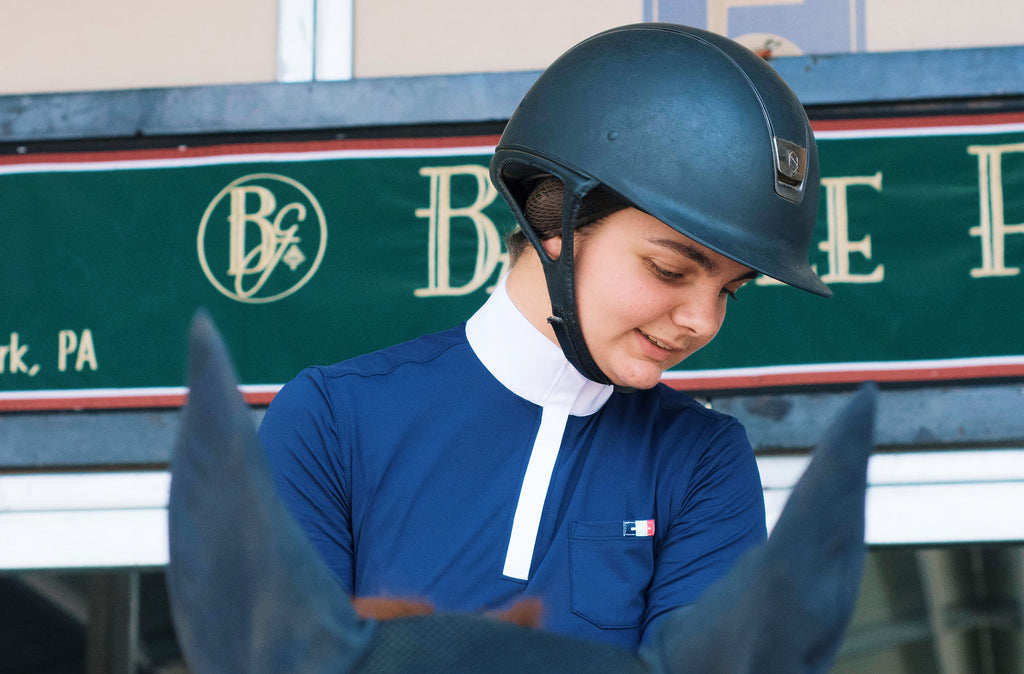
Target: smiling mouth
655, 341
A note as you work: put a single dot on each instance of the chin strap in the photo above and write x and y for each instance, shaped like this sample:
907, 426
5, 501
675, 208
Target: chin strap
560, 276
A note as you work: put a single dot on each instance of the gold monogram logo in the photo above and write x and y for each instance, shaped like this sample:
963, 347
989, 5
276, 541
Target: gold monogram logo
244, 237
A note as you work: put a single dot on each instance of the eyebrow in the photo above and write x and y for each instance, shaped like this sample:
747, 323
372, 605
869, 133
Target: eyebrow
695, 254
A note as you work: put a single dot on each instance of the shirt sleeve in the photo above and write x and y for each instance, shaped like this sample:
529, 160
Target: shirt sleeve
310, 465
720, 515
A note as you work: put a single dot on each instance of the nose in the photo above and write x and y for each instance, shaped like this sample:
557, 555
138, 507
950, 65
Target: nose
700, 311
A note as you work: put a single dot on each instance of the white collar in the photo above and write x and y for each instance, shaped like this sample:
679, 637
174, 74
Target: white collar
528, 363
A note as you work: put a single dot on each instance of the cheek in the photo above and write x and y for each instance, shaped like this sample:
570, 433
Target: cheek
611, 287
614, 293
618, 303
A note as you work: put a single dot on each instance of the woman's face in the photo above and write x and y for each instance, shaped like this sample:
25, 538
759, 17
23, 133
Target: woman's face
647, 296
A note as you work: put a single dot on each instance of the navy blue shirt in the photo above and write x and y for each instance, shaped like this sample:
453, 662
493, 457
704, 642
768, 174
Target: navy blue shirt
420, 472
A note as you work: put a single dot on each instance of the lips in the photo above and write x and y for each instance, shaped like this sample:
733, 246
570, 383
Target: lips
654, 341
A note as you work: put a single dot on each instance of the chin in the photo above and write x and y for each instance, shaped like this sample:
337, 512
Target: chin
638, 380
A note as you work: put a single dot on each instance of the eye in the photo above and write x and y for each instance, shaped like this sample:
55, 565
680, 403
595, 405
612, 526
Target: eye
663, 273
731, 291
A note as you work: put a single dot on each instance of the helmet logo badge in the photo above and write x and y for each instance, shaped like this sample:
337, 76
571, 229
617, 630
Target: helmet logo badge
792, 163
790, 169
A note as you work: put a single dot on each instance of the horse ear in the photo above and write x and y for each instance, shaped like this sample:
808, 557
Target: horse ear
785, 606
248, 592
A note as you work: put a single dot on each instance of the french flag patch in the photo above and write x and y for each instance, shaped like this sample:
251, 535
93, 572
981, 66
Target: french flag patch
638, 528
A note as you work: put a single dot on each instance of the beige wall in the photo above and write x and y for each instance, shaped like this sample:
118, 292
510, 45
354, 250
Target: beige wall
893, 25
69, 45
452, 36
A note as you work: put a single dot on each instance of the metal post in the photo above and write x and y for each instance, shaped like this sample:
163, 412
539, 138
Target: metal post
112, 642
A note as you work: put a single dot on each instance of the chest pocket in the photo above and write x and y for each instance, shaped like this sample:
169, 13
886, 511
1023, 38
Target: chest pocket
609, 574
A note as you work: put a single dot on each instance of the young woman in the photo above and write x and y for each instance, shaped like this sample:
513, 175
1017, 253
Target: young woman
532, 453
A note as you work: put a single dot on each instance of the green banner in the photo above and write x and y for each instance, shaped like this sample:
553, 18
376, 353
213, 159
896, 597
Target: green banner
312, 253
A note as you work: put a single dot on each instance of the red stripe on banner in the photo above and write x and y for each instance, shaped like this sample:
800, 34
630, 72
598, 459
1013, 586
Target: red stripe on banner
720, 382
693, 383
185, 151
90, 402
73, 401
917, 122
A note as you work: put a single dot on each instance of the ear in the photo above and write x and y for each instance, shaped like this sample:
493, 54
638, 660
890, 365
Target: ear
553, 247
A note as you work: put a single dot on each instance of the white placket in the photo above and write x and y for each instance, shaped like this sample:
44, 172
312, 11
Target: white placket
533, 493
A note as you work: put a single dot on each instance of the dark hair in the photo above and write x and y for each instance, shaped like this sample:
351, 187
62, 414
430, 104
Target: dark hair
543, 210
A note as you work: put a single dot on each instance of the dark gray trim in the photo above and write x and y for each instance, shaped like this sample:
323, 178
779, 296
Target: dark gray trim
90, 440
846, 79
909, 417
838, 80
924, 418
262, 107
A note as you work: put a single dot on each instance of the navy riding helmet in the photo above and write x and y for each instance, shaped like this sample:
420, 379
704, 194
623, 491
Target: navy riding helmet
685, 125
